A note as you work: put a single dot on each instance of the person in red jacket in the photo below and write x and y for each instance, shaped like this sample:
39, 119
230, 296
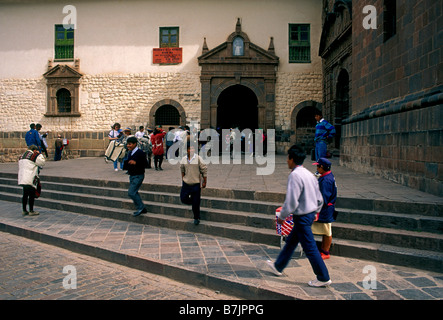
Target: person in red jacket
157, 147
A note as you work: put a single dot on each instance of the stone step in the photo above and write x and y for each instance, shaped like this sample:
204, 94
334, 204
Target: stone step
221, 218
379, 205
395, 255
226, 223
122, 212
156, 203
422, 259
399, 238
254, 213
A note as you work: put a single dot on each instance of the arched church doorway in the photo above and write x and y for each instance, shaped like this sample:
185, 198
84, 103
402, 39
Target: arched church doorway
237, 107
303, 124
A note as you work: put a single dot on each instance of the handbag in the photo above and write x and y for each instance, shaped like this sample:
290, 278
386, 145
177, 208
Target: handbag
38, 189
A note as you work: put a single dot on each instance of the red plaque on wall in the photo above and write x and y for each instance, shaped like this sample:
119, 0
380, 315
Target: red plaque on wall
167, 55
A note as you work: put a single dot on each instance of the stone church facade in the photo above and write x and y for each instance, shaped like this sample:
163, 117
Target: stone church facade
383, 87
256, 64
139, 63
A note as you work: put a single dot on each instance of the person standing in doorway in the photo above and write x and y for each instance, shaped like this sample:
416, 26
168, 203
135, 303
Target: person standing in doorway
323, 131
303, 200
193, 169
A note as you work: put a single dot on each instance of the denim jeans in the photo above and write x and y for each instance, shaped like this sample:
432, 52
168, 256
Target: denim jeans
320, 150
301, 232
135, 183
116, 164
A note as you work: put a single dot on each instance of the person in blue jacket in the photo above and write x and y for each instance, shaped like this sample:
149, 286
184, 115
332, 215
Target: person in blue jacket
328, 188
33, 138
323, 131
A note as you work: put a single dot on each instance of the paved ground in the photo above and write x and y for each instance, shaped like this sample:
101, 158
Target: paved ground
223, 258
31, 270
242, 262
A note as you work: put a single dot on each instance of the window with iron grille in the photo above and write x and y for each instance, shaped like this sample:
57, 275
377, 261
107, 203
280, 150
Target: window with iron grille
169, 37
63, 101
64, 43
167, 115
299, 43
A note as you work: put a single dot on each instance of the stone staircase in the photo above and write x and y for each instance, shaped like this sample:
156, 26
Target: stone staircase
407, 234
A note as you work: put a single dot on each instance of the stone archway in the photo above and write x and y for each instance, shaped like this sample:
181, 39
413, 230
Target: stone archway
303, 124
248, 65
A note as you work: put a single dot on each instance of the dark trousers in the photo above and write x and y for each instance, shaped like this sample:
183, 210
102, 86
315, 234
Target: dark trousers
58, 153
158, 160
28, 193
191, 194
301, 232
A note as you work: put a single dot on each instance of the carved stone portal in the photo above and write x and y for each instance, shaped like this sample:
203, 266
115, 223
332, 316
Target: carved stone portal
238, 62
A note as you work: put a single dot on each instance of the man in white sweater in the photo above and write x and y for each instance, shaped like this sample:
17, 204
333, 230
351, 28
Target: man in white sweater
303, 200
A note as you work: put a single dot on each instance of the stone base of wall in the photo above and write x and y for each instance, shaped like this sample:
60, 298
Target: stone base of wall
81, 144
405, 146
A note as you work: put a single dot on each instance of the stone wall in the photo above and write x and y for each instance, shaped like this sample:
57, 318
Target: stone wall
104, 100
396, 126
403, 144
127, 99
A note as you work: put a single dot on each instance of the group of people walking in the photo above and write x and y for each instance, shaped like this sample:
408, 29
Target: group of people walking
311, 202
150, 141
137, 150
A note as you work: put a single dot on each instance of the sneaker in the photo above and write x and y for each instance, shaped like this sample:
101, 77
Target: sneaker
274, 270
317, 283
34, 213
115, 170
25, 213
324, 256
196, 222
